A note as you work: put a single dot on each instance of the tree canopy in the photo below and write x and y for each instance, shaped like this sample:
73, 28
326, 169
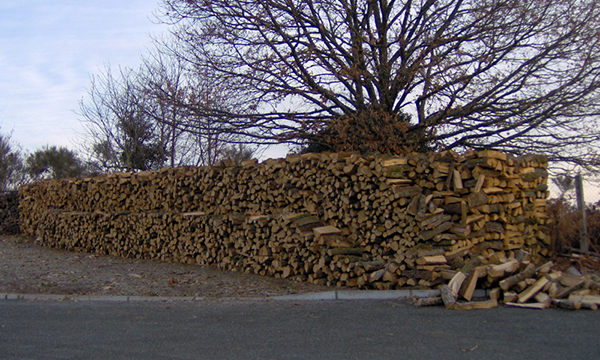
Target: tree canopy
52, 162
520, 76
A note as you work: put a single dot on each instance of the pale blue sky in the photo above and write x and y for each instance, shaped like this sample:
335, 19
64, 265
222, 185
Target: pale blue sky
49, 50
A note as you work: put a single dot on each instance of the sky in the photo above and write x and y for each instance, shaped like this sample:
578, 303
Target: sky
48, 52
50, 49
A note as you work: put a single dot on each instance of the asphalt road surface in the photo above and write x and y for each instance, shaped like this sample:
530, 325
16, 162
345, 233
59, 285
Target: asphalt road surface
290, 330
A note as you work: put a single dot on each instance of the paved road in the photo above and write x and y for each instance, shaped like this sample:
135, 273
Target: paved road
290, 330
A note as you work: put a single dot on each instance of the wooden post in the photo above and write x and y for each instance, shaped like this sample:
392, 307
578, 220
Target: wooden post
583, 240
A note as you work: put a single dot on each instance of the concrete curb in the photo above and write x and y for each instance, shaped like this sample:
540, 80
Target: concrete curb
359, 295
369, 295
85, 298
321, 296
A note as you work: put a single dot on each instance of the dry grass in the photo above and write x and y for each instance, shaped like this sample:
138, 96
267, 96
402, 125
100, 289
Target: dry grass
566, 226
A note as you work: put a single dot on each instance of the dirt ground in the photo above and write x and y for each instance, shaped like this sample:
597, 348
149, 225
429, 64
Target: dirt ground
28, 268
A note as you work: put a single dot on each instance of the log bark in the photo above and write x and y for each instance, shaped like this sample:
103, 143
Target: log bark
448, 297
509, 282
566, 304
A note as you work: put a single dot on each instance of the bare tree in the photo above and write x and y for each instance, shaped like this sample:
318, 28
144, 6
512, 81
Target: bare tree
177, 91
163, 82
515, 75
565, 184
147, 118
12, 170
120, 135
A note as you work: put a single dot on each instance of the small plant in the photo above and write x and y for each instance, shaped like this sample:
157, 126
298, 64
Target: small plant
18, 239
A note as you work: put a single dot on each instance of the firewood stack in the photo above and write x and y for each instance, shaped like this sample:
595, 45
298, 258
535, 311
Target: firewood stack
338, 219
9, 213
517, 282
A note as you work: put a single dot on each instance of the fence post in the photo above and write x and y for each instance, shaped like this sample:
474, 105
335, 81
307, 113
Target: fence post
583, 239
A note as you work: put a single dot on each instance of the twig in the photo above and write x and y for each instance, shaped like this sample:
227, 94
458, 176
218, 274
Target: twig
590, 253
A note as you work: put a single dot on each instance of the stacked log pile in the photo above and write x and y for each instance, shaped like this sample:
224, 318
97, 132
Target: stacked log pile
338, 219
518, 282
9, 213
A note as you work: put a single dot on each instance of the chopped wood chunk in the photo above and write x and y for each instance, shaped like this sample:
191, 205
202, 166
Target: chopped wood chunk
488, 304
565, 292
566, 304
591, 299
532, 290
468, 286
515, 279
326, 230
395, 162
495, 294
498, 271
510, 296
429, 260
456, 283
543, 298
538, 306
